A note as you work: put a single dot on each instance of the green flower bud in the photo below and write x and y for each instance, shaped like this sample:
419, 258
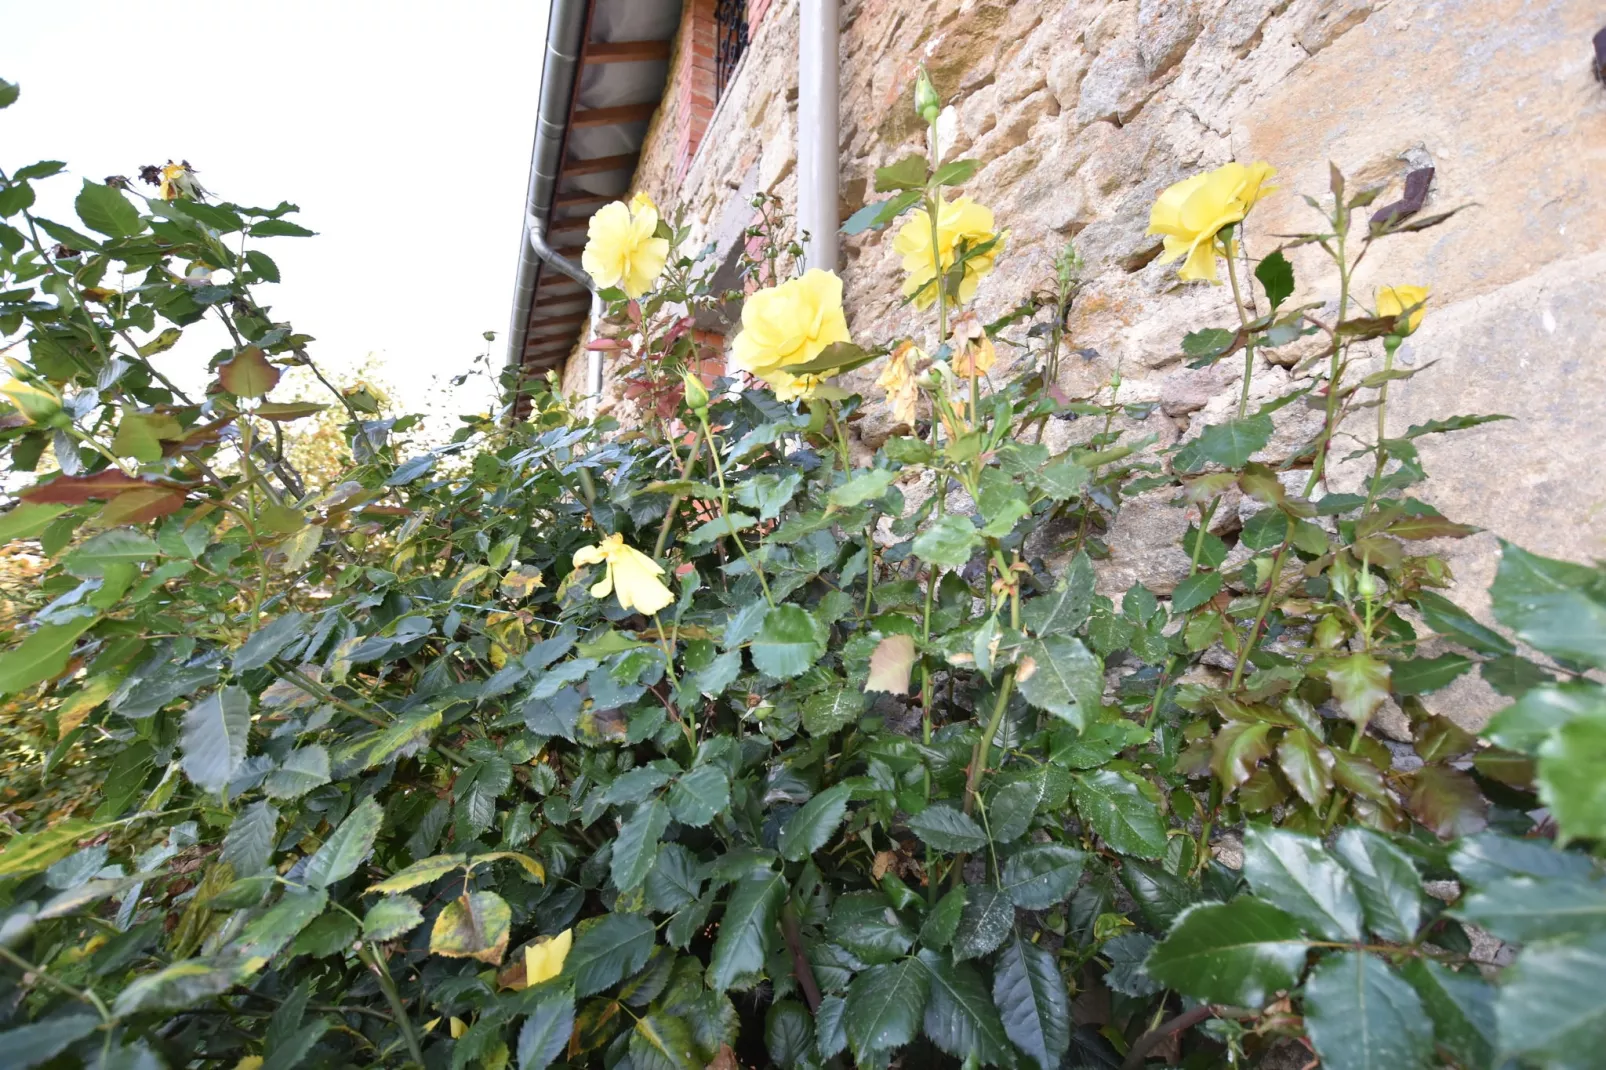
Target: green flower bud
927, 106
696, 393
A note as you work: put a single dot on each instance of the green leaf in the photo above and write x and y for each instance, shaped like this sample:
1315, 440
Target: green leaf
279, 228
42, 655
302, 770
942, 924
1160, 895
1209, 342
1447, 801
9, 91
1195, 591
949, 541
865, 486
1489, 857
663, 1042
411, 469
946, 828
266, 642
391, 917
1449, 619
424, 871
907, 173
1361, 1015
546, 1031
115, 547
1041, 875
104, 209
833, 709
1550, 1010
1126, 975
608, 951
1119, 812
636, 846
960, 1017
268, 934
747, 930
328, 935
1059, 674
789, 1033
1520, 909
176, 987
1010, 813
346, 847
1386, 882
1418, 676
863, 925
954, 173
216, 731
1461, 1006
25, 521
1556, 606
1295, 872
699, 795
987, 918
1570, 781
1307, 764
1276, 276
1360, 683
885, 1007
1240, 953
789, 643
30, 1045
1229, 445
475, 925
1524, 725
812, 826
635, 786
248, 846
1030, 996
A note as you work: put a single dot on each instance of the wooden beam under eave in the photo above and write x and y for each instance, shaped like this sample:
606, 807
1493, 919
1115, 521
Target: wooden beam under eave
624, 113
580, 200
625, 51
571, 319
597, 165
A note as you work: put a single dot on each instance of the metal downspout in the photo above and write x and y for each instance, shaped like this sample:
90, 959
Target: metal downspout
565, 39
818, 123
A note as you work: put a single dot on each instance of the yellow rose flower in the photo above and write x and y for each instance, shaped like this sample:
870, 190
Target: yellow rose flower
621, 249
960, 220
543, 960
640, 200
787, 326
1191, 213
1392, 301
898, 380
631, 575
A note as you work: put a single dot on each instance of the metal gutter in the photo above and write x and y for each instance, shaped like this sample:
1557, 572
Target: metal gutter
565, 41
818, 131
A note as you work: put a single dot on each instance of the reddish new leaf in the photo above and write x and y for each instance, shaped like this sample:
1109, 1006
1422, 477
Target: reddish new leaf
249, 374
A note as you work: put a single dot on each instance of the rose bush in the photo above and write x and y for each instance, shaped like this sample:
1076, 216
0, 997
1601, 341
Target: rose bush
440, 766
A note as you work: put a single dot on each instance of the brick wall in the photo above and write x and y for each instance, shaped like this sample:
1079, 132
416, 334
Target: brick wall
691, 88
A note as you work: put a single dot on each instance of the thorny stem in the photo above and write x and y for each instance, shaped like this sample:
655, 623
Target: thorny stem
38, 972
387, 985
978, 758
1204, 528
725, 511
674, 503
1243, 319
1260, 614
1335, 369
1390, 345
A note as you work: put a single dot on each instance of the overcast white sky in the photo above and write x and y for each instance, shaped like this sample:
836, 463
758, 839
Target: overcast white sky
402, 130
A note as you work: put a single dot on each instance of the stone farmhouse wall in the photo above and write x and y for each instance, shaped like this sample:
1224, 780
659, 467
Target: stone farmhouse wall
1085, 109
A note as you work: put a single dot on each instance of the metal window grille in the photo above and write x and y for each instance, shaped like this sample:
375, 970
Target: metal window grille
730, 27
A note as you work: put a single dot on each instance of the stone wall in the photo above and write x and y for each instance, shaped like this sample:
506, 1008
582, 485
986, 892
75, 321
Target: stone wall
1084, 110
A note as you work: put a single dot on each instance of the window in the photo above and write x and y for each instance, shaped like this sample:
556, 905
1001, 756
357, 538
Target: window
730, 27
